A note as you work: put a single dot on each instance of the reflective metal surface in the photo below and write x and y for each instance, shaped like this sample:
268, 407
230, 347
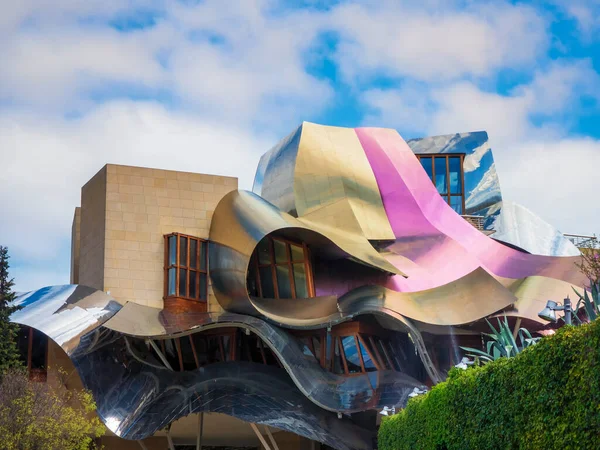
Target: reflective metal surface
65, 313
482, 187
242, 219
510, 223
319, 166
136, 396
518, 226
408, 192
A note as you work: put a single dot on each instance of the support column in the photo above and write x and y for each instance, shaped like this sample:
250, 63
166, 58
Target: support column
200, 431
260, 437
271, 438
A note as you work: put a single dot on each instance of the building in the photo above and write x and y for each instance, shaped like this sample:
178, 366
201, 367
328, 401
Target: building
289, 316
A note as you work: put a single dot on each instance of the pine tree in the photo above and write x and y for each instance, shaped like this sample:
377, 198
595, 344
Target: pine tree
9, 353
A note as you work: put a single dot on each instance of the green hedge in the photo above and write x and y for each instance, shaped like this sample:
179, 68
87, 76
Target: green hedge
546, 397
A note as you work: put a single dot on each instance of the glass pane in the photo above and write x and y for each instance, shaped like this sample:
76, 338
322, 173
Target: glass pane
283, 281
182, 282
203, 256
264, 252
455, 178
172, 250
266, 282
300, 281
227, 347
445, 197
327, 350
193, 253
203, 286
171, 281
338, 365
182, 251
427, 165
251, 282
456, 203
192, 286
351, 353
214, 350
38, 350
369, 364
383, 353
440, 175
189, 363
297, 252
280, 251
317, 345
306, 347
394, 357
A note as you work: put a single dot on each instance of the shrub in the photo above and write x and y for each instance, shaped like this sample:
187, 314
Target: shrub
546, 397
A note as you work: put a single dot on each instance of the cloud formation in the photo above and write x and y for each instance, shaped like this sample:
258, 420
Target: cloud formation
205, 87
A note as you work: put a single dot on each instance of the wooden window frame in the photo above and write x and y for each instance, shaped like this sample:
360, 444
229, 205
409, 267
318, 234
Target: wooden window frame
289, 264
200, 296
447, 156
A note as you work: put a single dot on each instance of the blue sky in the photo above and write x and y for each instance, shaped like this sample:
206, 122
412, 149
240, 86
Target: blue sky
194, 85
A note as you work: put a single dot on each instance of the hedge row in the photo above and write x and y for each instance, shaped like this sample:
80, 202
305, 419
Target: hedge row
546, 397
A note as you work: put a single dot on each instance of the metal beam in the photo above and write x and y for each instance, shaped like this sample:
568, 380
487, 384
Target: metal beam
271, 438
260, 436
160, 354
200, 431
169, 439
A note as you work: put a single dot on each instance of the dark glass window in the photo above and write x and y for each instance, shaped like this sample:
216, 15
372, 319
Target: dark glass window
33, 349
186, 267
280, 269
446, 173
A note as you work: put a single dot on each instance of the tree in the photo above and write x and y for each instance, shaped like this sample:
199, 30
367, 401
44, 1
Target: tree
41, 416
9, 353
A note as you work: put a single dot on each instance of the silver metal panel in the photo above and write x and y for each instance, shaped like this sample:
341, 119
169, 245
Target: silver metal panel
518, 226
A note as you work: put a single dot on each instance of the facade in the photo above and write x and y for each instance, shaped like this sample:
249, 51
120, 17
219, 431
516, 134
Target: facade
289, 316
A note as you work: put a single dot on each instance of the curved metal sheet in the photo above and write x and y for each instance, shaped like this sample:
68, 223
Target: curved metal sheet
108, 362
65, 313
518, 226
135, 398
242, 219
407, 191
316, 167
327, 390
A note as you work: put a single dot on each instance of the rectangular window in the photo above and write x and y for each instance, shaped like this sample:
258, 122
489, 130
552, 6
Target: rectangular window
280, 269
186, 262
447, 175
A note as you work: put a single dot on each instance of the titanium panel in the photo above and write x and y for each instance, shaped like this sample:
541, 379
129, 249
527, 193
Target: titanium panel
517, 225
242, 219
407, 191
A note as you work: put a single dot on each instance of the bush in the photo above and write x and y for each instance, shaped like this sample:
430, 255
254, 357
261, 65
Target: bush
546, 397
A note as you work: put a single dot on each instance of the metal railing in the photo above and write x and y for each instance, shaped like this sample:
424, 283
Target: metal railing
582, 241
476, 221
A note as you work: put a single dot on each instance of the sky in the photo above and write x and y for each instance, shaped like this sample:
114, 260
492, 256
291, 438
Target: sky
208, 86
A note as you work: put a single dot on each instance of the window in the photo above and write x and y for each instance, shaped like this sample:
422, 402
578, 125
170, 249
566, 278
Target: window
186, 266
33, 348
350, 348
211, 347
280, 269
446, 173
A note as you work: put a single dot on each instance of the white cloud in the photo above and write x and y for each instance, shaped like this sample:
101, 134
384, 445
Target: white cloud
437, 43
46, 161
539, 164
